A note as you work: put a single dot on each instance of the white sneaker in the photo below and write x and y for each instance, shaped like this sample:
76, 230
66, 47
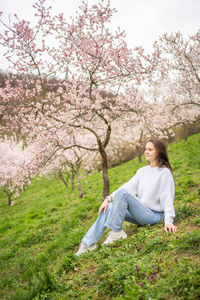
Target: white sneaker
83, 248
114, 236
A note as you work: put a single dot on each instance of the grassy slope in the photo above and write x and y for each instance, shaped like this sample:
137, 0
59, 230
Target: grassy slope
38, 237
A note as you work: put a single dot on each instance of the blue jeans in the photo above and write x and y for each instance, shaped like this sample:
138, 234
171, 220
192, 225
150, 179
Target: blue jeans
124, 207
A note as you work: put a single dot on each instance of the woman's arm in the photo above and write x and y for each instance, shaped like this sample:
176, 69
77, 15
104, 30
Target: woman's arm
167, 191
131, 186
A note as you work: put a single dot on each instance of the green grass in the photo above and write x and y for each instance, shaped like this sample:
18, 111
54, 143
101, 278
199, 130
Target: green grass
39, 235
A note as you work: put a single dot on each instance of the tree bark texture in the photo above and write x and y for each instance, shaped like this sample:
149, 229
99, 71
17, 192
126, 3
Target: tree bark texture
9, 195
79, 184
61, 177
106, 181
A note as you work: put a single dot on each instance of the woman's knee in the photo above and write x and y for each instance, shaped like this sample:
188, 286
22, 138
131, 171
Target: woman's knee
121, 192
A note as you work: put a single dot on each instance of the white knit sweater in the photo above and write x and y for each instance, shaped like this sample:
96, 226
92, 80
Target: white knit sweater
155, 188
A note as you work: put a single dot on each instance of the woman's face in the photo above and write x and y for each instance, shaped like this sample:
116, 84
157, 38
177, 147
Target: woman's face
151, 153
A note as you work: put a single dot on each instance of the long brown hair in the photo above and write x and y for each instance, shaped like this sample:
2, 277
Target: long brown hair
162, 158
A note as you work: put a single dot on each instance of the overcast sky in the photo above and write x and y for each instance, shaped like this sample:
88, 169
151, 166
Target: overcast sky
143, 20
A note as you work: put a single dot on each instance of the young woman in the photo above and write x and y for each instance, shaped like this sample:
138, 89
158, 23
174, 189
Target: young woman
147, 198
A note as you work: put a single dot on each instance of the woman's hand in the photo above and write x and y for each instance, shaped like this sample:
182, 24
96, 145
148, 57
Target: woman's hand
170, 228
103, 206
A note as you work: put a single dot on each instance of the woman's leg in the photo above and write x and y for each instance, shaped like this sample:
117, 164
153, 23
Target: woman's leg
97, 229
139, 212
129, 218
124, 207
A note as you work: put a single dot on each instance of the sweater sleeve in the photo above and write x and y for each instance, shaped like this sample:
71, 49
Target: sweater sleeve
131, 185
167, 191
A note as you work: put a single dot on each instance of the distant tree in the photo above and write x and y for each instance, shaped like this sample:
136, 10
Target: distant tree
67, 164
16, 168
181, 64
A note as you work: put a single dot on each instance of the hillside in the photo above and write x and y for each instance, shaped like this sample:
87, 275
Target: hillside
39, 235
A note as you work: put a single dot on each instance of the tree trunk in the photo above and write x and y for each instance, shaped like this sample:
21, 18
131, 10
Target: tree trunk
72, 180
9, 194
106, 181
9, 199
139, 154
61, 177
185, 132
79, 184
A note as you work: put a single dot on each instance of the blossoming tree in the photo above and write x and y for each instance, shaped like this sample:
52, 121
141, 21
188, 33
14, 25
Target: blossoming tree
17, 167
181, 64
98, 64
